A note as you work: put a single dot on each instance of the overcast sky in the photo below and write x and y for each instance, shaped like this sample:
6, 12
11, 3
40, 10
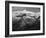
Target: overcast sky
32, 9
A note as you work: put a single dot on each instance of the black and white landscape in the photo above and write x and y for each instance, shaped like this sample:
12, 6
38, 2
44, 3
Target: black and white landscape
25, 18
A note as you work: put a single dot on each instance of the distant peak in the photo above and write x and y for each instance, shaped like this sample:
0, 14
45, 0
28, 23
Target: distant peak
24, 10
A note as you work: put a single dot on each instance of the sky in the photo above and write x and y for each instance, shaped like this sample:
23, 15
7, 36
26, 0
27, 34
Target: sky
32, 9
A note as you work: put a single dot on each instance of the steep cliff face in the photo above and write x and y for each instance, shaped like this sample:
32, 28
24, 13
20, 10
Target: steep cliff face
22, 19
